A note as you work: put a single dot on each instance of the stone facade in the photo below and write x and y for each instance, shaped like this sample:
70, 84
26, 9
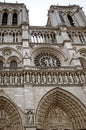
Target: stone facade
42, 69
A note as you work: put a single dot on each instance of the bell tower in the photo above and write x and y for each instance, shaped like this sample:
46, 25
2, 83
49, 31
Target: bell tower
14, 21
66, 15
13, 14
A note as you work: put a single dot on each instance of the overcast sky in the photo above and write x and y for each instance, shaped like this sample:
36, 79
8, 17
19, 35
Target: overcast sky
38, 9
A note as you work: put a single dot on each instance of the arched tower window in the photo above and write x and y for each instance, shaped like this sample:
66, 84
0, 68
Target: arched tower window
61, 17
1, 65
4, 18
13, 65
14, 19
70, 20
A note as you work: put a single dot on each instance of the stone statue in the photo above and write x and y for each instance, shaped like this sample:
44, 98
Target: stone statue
16, 79
49, 80
43, 78
76, 78
65, 78
82, 77
5, 79
30, 118
54, 78
71, 78
11, 79
21, 77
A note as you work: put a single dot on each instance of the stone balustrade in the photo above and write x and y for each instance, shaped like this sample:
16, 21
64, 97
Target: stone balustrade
41, 77
78, 35
48, 35
10, 34
42, 35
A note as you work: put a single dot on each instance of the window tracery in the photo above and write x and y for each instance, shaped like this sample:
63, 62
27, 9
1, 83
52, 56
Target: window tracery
10, 35
47, 60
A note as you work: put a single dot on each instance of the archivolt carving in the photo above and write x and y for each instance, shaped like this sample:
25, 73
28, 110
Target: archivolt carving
15, 58
2, 59
9, 115
59, 106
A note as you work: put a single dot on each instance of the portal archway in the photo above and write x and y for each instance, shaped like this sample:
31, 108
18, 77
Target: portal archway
9, 116
60, 110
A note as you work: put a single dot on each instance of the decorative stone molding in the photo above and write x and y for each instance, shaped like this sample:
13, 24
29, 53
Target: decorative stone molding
83, 54
56, 102
42, 77
19, 48
6, 52
47, 60
9, 115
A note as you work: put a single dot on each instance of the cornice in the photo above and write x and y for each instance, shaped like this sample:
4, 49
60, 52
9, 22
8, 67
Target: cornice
77, 28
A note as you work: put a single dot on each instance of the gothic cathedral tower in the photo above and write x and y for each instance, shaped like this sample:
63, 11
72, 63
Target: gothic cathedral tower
42, 69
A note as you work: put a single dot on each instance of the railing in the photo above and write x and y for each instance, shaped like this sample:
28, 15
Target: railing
10, 34
42, 77
11, 69
77, 35
51, 68
43, 35
48, 35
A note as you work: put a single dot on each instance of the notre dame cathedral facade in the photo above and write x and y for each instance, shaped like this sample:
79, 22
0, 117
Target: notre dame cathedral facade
42, 69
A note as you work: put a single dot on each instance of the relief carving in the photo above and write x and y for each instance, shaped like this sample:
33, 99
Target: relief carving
57, 119
19, 48
83, 54
6, 52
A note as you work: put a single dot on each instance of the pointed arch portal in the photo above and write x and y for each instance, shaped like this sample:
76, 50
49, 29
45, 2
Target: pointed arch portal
9, 115
60, 110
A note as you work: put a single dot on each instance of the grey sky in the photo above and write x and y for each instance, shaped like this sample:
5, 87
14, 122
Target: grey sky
38, 9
